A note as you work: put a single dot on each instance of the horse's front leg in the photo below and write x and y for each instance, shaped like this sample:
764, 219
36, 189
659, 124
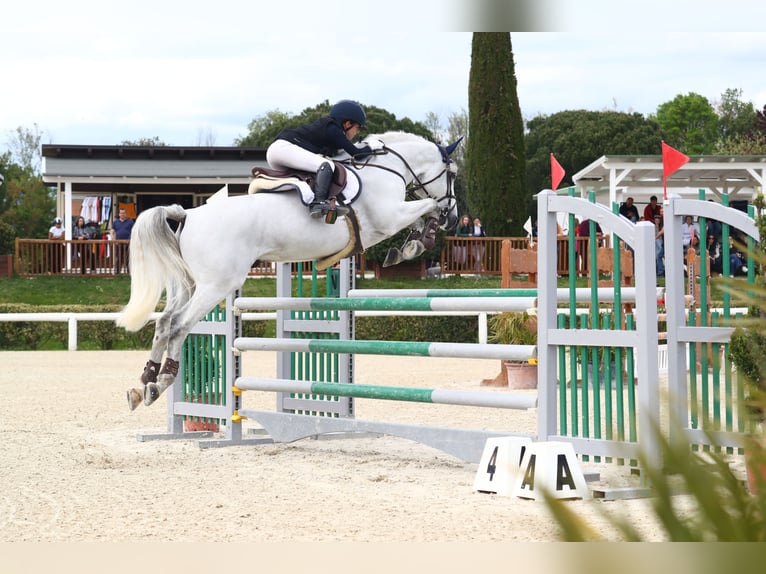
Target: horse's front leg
423, 234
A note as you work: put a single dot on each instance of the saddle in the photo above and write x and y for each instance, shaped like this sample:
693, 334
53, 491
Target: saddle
270, 179
266, 179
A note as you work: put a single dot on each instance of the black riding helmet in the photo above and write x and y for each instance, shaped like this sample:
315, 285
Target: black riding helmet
348, 110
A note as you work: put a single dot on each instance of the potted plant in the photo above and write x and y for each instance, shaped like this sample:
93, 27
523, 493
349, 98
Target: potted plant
514, 328
747, 349
748, 354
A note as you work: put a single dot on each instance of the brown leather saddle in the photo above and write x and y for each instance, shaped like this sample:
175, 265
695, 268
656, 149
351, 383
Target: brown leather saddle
339, 176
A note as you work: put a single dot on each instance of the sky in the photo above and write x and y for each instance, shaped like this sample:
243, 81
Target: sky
197, 73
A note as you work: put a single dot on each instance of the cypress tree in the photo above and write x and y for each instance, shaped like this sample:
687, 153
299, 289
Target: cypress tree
495, 155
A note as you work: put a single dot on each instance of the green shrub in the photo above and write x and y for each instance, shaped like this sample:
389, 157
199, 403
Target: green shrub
449, 329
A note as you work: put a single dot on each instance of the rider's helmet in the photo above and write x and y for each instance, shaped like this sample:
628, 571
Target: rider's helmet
349, 110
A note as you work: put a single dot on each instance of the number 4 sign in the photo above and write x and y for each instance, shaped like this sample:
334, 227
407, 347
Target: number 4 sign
499, 465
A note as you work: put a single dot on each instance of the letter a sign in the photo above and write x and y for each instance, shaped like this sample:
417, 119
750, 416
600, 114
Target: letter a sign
550, 467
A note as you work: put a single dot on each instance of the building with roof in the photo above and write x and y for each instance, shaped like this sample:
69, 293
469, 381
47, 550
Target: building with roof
140, 177
615, 178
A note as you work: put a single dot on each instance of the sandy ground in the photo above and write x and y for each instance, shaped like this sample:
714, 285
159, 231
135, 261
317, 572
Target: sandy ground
71, 468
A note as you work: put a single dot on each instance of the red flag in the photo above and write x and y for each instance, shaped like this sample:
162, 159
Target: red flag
557, 172
672, 160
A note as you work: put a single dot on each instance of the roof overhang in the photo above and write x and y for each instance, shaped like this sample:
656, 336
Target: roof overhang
720, 174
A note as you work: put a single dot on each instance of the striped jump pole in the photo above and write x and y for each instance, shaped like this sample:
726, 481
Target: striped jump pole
416, 395
520, 353
563, 294
489, 304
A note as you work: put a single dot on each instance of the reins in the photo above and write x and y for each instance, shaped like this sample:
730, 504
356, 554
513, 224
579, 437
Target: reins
410, 188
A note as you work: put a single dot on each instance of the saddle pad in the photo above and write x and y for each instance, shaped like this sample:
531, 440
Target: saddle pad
276, 185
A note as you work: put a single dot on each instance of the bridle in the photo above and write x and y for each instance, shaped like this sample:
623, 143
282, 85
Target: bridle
414, 188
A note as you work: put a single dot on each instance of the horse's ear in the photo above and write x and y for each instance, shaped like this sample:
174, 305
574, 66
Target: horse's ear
451, 147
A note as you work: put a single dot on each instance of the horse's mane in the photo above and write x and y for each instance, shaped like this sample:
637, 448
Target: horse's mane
394, 137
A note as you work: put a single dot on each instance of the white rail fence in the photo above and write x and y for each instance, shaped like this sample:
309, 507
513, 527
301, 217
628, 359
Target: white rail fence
73, 318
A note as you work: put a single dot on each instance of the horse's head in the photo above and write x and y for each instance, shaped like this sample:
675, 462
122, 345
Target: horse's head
429, 170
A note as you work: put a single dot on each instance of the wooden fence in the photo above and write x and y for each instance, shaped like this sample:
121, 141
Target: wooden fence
460, 256
483, 255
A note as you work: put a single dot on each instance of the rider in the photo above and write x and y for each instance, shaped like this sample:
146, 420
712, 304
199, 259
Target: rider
307, 147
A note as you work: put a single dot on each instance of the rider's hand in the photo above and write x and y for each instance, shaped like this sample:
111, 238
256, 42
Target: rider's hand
375, 144
363, 152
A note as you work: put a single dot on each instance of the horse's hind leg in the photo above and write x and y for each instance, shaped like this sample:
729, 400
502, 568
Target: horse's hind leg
178, 328
159, 343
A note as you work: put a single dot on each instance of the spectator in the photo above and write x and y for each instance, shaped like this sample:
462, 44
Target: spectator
629, 210
714, 255
737, 264
659, 246
652, 209
121, 230
56, 251
478, 247
583, 232
464, 229
80, 232
690, 233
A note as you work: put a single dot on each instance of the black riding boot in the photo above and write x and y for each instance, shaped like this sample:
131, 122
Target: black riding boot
321, 188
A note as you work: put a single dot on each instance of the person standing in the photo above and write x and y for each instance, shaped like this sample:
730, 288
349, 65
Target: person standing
121, 230
477, 249
629, 210
652, 209
659, 246
56, 251
689, 234
80, 232
463, 229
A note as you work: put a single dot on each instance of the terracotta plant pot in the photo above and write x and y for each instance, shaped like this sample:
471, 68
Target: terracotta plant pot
514, 375
196, 426
521, 376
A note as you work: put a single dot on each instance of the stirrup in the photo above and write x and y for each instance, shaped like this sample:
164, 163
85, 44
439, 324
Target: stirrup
318, 209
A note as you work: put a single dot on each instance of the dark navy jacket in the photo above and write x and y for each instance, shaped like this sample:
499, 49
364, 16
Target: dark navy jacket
324, 136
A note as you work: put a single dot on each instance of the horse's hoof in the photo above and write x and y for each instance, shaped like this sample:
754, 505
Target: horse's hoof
393, 257
135, 398
151, 393
412, 249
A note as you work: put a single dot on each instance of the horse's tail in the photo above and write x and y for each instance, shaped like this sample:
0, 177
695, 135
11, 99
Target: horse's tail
155, 263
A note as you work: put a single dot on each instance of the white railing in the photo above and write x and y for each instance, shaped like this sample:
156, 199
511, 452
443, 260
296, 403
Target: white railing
73, 318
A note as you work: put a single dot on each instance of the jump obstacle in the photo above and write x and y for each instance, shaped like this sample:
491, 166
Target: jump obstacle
609, 417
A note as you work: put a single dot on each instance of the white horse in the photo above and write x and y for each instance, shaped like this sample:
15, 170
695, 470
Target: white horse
211, 252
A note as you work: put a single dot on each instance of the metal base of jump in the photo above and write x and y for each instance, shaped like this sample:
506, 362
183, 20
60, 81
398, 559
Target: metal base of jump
465, 444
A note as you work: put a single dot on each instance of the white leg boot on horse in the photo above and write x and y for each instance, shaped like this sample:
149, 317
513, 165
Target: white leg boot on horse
421, 238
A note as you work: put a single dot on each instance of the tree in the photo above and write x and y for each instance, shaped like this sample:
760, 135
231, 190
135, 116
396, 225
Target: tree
144, 142
735, 117
495, 157
579, 137
27, 204
688, 123
457, 127
25, 148
751, 143
262, 130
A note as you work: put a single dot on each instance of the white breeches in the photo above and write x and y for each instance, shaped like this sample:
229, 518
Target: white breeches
282, 154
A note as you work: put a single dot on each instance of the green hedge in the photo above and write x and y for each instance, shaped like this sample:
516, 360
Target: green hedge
50, 335
105, 335
449, 329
